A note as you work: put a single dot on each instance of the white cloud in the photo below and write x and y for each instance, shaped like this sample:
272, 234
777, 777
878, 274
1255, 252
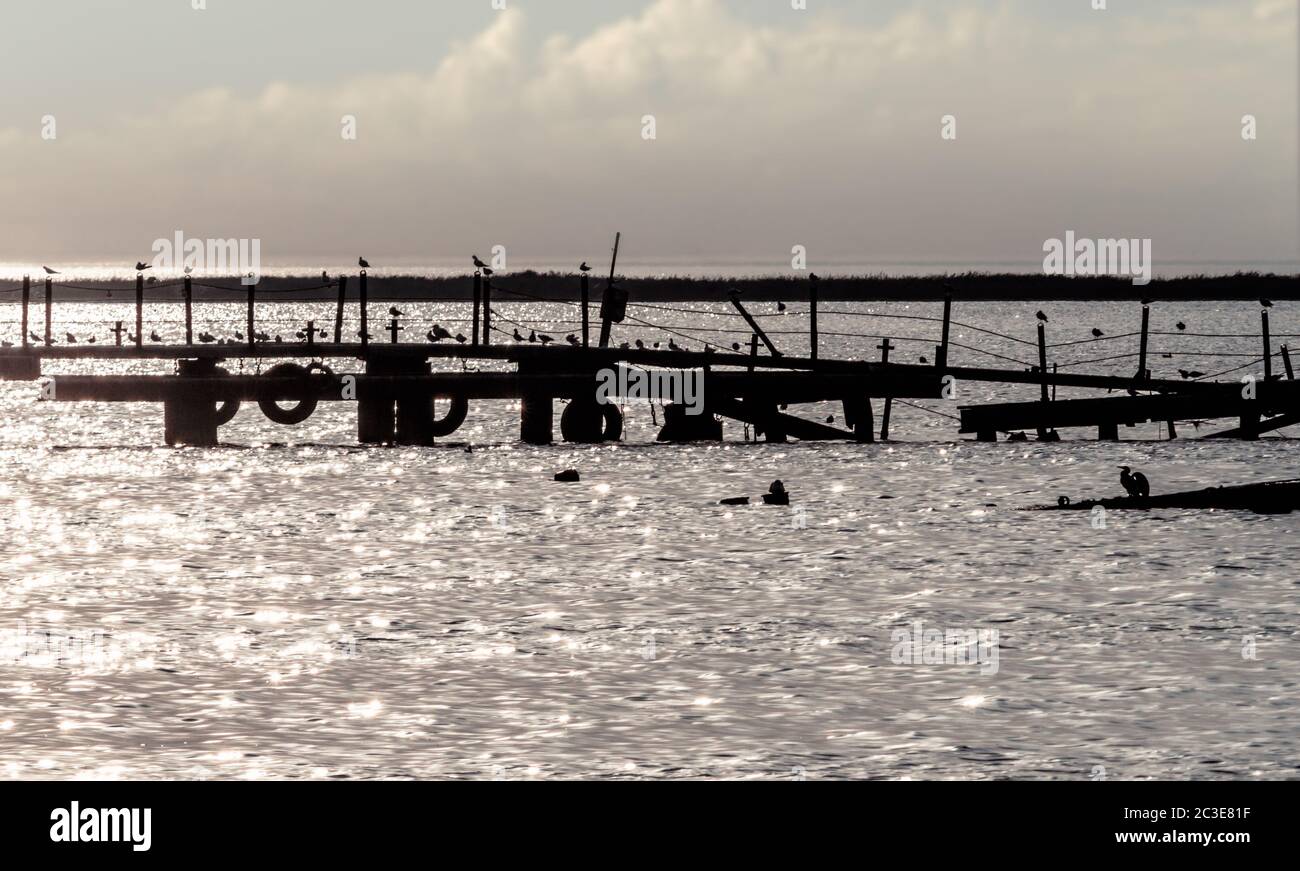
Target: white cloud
816, 131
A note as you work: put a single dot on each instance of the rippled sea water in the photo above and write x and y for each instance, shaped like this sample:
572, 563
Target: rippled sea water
291, 605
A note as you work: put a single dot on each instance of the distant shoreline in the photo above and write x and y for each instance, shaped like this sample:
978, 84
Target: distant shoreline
537, 286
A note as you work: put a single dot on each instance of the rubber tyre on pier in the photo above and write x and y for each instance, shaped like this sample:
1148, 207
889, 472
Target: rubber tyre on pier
227, 410
296, 413
586, 421
448, 424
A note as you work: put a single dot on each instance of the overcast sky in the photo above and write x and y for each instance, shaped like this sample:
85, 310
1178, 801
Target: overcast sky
523, 127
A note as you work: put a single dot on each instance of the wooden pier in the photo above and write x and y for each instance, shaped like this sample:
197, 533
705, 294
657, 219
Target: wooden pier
395, 385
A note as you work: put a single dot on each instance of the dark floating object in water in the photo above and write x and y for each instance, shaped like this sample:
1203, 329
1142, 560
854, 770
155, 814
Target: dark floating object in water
1018, 437
776, 495
1269, 497
568, 476
738, 500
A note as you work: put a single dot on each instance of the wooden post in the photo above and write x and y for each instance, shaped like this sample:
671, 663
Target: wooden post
753, 350
487, 310
27, 300
586, 303
1142, 350
338, 312
49, 310
139, 309
885, 347
189, 311
365, 316
393, 329
1286, 361
251, 290
311, 333
941, 353
1268, 347
812, 317
613, 303
1042, 361
117, 333
478, 297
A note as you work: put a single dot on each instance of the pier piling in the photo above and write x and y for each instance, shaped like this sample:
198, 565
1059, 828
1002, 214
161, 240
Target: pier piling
478, 299
27, 301
586, 311
812, 316
1268, 345
139, 309
49, 311
1144, 374
365, 314
189, 311
338, 311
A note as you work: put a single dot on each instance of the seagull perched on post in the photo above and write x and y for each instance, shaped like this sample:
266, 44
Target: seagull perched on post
49, 271
1042, 317
1134, 483
1181, 326
481, 266
363, 263
1097, 334
584, 267
395, 312
141, 266
1266, 303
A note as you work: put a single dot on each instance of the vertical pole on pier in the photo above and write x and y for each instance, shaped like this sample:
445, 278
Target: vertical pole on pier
27, 300
189, 311
1142, 350
1042, 360
251, 290
311, 333
812, 316
885, 347
586, 304
941, 353
613, 303
49, 310
1268, 349
1286, 361
753, 350
478, 299
338, 312
139, 309
117, 333
365, 317
487, 310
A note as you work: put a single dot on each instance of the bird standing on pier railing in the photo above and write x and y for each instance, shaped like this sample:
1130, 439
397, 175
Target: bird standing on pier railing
481, 266
1134, 483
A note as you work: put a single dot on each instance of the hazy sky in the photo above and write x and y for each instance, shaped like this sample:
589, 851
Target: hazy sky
523, 127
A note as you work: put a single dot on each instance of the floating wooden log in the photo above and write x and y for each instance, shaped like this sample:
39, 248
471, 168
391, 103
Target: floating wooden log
1269, 497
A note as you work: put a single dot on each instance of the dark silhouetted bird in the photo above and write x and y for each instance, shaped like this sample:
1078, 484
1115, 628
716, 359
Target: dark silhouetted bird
672, 346
573, 340
1042, 317
1147, 301
49, 271
1181, 326
584, 267
239, 335
1134, 483
71, 339
1266, 303
154, 337
364, 335
545, 339
188, 270
460, 337
519, 338
1097, 334
363, 263
35, 338
532, 336
780, 306
925, 361
141, 266
624, 346
207, 337
813, 276
1192, 374
640, 345
395, 312
481, 266
735, 346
